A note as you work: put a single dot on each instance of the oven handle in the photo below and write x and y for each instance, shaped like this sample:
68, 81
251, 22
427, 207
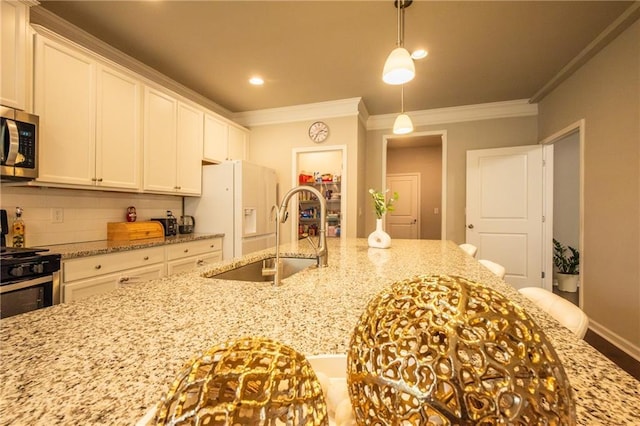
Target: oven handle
25, 284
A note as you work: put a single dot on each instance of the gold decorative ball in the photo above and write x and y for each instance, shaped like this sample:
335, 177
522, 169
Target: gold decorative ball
443, 350
249, 381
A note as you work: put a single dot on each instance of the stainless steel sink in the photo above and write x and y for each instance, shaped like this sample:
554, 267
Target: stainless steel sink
253, 271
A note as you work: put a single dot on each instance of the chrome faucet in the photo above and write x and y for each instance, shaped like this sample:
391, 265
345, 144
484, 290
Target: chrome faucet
276, 270
321, 250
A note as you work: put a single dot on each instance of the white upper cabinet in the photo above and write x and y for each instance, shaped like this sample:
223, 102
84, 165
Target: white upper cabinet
89, 119
216, 138
172, 145
160, 114
223, 141
64, 98
118, 133
14, 57
237, 144
189, 150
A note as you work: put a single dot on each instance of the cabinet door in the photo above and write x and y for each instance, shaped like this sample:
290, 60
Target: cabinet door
65, 101
237, 144
216, 139
118, 136
159, 141
13, 50
189, 150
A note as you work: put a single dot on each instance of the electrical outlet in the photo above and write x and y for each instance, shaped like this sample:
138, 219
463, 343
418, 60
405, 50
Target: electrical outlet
57, 215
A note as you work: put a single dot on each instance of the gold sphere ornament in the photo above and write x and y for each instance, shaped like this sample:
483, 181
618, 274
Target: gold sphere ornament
249, 381
443, 350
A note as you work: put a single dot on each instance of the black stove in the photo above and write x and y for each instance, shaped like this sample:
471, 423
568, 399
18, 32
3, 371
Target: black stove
29, 277
22, 263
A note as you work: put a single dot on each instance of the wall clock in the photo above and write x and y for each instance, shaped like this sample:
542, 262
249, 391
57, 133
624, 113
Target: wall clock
318, 132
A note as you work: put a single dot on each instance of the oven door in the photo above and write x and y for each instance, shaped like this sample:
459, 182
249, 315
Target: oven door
19, 297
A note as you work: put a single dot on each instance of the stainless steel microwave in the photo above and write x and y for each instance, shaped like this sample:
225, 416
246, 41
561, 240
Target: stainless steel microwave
18, 144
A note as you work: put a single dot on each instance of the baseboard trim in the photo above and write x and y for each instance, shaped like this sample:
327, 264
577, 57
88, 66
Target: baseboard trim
616, 340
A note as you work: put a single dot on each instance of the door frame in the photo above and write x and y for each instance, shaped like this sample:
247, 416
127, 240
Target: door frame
443, 200
547, 232
343, 182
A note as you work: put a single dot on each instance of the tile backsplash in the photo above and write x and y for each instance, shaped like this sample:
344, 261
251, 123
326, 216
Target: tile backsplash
84, 213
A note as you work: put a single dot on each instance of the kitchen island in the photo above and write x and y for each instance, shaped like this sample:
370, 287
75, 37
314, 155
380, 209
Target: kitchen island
109, 358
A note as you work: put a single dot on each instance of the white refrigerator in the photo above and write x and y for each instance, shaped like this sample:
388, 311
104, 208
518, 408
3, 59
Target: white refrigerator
237, 197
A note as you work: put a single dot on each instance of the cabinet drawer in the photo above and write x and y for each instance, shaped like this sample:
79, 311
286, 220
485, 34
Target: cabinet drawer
193, 248
92, 266
191, 263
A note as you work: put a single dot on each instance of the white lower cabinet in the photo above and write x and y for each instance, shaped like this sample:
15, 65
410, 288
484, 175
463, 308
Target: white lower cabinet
185, 257
92, 275
104, 283
88, 276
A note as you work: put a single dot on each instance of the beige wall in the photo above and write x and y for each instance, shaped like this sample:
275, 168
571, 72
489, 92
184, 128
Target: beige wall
460, 137
605, 92
426, 160
272, 146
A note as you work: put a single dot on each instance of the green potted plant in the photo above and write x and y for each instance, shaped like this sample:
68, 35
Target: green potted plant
567, 261
382, 205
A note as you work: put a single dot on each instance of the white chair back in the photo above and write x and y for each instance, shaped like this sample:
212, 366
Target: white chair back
567, 314
494, 267
470, 249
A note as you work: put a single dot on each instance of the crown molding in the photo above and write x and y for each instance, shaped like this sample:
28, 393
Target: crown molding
42, 19
488, 111
330, 109
624, 21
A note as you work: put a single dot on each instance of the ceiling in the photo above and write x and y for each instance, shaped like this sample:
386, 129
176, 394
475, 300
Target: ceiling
315, 51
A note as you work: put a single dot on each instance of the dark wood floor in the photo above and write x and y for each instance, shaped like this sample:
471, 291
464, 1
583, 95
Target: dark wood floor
619, 357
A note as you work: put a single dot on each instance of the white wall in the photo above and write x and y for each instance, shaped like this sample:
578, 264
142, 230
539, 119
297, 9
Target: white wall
85, 213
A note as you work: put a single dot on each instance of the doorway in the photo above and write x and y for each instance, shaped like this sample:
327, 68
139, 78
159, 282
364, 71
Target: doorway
422, 153
327, 167
564, 199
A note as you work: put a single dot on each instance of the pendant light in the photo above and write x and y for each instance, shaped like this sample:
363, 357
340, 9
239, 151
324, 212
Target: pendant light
403, 124
399, 67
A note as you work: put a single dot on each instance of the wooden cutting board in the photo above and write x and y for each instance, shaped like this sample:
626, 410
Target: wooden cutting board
131, 231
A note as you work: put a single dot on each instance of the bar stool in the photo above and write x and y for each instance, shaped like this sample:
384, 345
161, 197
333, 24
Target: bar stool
470, 249
567, 314
494, 267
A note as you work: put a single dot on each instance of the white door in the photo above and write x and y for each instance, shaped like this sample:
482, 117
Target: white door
404, 221
504, 210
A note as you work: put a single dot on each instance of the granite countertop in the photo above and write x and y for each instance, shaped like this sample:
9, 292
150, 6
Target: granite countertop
92, 248
108, 359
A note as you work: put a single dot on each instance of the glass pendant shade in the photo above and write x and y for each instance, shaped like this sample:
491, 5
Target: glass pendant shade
402, 125
399, 67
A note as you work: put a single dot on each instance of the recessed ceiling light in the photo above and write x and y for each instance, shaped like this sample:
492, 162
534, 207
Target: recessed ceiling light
419, 54
256, 81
